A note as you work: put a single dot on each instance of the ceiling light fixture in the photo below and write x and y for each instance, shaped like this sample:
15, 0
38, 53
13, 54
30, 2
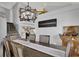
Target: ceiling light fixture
29, 14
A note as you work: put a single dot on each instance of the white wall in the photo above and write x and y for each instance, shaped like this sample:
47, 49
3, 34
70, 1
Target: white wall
67, 18
10, 16
4, 17
4, 13
3, 28
16, 20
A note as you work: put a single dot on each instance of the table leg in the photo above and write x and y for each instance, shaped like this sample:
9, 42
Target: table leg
3, 51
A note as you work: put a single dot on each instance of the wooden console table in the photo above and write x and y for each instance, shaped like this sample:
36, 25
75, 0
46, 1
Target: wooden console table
43, 49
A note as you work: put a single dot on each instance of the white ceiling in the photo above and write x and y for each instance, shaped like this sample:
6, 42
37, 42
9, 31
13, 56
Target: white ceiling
7, 5
50, 6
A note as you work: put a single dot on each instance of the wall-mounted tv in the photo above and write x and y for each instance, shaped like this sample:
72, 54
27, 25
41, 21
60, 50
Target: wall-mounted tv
48, 23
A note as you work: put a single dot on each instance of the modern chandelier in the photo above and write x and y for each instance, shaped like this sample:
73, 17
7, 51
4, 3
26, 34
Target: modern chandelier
29, 14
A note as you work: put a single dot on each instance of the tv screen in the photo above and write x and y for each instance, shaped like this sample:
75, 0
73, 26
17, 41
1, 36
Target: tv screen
48, 23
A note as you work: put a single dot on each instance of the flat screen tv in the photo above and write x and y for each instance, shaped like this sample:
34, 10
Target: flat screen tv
48, 23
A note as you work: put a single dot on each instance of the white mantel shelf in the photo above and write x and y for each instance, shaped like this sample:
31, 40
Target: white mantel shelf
44, 49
